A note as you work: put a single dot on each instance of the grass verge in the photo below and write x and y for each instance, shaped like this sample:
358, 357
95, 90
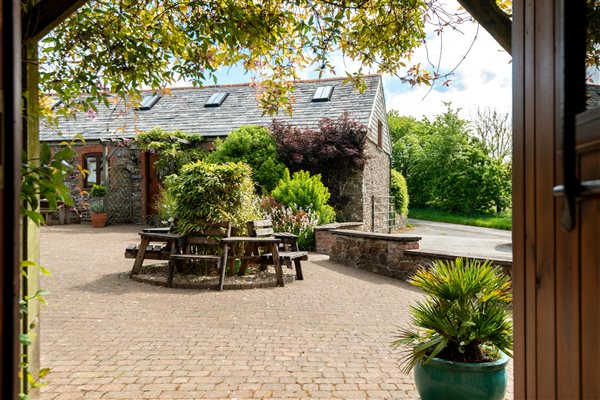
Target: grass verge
501, 220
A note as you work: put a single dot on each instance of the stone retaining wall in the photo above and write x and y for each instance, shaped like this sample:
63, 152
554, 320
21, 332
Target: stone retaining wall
424, 258
376, 252
324, 237
393, 255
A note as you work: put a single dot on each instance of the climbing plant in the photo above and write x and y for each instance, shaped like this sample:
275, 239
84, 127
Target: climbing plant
44, 178
174, 149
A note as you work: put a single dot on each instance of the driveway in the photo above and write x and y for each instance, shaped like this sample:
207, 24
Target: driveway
462, 239
107, 337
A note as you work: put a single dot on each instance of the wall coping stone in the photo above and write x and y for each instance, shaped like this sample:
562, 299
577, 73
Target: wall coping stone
450, 255
337, 225
378, 236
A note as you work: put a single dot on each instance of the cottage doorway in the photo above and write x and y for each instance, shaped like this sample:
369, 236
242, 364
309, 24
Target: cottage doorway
150, 185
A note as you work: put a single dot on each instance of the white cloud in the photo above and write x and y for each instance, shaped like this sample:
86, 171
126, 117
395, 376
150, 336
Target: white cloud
483, 79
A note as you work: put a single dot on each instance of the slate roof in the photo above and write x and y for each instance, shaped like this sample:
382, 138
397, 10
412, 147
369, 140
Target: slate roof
183, 109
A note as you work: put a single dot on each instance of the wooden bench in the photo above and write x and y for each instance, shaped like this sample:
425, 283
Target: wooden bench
288, 251
203, 245
153, 252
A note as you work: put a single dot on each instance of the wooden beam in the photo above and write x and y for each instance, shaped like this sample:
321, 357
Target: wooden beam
45, 15
10, 162
492, 18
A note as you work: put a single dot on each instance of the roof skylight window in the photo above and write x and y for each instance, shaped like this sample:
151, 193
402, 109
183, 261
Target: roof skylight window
216, 99
323, 93
148, 102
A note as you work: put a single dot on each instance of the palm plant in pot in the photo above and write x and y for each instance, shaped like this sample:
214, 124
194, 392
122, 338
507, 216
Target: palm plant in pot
99, 217
461, 333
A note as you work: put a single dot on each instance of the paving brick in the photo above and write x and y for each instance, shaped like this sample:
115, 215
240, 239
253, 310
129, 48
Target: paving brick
105, 336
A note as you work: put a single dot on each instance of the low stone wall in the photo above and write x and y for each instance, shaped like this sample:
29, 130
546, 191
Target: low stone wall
424, 258
393, 255
324, 237
381, 253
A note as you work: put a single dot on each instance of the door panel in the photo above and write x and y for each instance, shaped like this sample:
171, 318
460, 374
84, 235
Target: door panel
589, 223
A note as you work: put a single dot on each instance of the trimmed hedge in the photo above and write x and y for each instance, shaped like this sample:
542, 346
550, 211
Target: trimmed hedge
212, 192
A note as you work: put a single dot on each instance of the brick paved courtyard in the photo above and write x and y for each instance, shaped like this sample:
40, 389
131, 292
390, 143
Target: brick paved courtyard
107, 337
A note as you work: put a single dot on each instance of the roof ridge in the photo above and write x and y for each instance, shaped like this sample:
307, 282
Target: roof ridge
228, 85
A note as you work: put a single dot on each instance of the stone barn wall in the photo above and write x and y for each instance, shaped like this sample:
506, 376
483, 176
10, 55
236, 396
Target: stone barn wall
123, 203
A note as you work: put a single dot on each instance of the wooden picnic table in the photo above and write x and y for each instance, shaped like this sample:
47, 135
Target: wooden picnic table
172, 240
272, 243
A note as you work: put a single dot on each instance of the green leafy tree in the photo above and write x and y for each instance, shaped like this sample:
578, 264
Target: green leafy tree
254, 146
446, 168
305, 192
123, 46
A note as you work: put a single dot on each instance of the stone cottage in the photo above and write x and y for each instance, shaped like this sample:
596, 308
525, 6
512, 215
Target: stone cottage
111, 157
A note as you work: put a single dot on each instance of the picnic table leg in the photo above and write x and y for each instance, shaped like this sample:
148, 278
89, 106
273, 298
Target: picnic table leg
248, 249
222, 266
139, 258
277, 264
171, 263
299, 275
232, 262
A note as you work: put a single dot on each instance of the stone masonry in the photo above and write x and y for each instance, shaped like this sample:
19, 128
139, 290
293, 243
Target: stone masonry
375, 252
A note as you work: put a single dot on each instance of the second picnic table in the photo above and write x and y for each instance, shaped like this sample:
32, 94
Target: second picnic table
270, 242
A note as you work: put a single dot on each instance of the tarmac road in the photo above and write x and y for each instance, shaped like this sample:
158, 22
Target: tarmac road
462, 239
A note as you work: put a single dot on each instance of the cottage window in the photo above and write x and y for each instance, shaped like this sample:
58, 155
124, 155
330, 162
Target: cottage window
379, 133
93, 164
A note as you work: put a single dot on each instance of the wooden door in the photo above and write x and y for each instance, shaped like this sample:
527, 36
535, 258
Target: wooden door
556, 205
151, 187
588, 162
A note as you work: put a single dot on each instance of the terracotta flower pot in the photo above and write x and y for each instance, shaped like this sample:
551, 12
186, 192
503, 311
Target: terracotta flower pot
99, 220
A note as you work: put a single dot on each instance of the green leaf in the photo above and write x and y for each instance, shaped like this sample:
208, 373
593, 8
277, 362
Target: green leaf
25, 339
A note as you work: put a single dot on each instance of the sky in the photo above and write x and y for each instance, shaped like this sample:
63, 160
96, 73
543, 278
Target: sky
483, 79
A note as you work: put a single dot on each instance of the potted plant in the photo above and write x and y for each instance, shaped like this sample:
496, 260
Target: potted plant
99, 218
461, 331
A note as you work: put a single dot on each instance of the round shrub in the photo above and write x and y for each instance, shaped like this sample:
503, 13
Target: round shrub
305, 192
255, 146
99, 191
214, 193
399, 192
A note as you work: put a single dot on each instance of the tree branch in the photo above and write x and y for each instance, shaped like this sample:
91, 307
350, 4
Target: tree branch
492, 18
45, 15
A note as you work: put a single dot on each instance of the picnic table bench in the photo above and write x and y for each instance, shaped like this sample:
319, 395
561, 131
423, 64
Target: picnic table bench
288, 251
153, 252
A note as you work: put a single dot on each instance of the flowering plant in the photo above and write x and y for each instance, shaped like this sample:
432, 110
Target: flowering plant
299, 222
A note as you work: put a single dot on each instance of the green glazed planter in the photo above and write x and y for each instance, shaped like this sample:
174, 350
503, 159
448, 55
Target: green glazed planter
447, 380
